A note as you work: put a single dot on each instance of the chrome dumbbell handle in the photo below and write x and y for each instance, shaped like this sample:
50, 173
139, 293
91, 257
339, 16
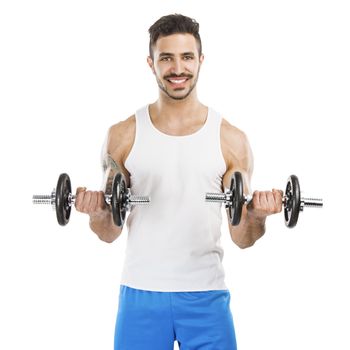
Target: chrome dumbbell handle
130, 199
50, 199
311, 203
62, 199
293, 202
226, 199
44, 198
218, 197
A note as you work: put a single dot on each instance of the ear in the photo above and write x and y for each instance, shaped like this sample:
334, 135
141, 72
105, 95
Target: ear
150, 63
201, 58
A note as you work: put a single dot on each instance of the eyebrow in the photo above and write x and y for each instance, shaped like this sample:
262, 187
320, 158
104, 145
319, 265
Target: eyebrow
162, 54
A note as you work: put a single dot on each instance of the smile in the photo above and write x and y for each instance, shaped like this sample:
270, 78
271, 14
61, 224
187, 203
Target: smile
177, 81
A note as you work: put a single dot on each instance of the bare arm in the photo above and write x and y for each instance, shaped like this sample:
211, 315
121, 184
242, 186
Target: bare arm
92, 202
102, 222
239, 157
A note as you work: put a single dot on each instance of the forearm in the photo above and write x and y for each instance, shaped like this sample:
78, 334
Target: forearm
249, 230
104, 227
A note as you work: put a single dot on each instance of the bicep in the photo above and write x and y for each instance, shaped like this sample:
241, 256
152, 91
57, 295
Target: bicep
111, 159
240, 158
110, 169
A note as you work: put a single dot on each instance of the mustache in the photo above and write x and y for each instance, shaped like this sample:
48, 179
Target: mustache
182, 75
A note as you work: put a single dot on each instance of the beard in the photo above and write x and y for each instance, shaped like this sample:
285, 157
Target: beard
177, 97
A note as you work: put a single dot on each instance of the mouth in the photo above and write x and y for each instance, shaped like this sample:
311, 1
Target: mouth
177, 82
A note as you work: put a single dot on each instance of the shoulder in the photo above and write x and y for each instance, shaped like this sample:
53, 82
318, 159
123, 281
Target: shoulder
233, 137
119, 140
231, 132
122, 129
235, 146
121, 134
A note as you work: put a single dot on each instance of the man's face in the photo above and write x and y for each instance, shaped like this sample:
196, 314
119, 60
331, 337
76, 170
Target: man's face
176, 64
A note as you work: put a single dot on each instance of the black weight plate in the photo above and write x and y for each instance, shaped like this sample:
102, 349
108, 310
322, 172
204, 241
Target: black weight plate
236, 189
63, 190
118, 201
292, 202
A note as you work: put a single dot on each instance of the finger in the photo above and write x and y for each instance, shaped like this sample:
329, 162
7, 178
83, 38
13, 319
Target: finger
80, 189
101, 200
270, 199
255, 202
264, 203
80, 194
278, 198
280, 192
272, 202
93, 202
86, 203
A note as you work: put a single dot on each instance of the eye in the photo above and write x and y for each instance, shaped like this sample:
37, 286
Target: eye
188, 57
165, 59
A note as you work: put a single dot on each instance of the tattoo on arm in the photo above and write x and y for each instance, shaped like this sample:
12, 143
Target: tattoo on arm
110, 168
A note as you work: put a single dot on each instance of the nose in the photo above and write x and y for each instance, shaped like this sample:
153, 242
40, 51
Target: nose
177, 67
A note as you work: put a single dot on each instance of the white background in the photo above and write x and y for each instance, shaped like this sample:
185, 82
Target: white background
279, 70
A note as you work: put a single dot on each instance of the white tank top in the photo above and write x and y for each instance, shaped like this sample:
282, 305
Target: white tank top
173, 242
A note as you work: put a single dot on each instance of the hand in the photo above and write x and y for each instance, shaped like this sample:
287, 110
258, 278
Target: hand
265, 203
90, 202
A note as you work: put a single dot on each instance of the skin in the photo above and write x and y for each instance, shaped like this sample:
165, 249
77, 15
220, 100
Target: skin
176, 65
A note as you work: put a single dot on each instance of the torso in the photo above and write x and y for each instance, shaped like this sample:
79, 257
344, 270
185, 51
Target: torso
124, 135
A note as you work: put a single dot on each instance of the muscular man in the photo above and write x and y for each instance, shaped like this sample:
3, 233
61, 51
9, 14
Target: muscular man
176, 149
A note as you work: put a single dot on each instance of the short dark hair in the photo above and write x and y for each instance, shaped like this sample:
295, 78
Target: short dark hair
173, 24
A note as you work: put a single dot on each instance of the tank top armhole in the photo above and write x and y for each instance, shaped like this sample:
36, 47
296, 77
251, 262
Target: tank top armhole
129, 157
224, 166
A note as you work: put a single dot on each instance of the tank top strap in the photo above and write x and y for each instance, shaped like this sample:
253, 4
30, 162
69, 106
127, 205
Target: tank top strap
213, 122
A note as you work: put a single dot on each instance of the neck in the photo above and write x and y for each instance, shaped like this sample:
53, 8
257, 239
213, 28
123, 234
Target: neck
170, 109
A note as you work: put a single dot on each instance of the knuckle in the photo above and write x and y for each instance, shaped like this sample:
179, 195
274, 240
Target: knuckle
84, 209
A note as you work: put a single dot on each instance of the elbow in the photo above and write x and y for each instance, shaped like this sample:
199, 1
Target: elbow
244, 245
246, 237
107, 237
242, 241
248, 240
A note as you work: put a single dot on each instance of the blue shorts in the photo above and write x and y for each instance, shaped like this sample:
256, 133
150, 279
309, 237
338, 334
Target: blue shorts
150, 320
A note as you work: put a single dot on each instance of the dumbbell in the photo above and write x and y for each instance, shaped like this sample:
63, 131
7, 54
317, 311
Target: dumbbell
293, 203
62, 199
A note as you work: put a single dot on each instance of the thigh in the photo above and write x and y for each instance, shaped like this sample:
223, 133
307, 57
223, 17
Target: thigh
143, 321
203, 320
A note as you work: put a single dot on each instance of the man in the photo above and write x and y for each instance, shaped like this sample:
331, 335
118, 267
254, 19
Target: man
176, 149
